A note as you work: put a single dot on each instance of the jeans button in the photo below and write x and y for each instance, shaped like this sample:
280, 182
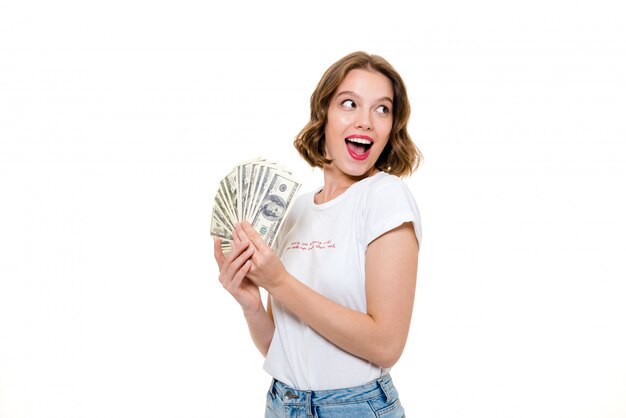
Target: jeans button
290, 395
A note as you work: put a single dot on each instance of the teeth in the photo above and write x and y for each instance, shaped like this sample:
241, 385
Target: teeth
359, 141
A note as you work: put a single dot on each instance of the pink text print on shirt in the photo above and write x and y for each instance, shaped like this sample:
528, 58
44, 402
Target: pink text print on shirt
313, 245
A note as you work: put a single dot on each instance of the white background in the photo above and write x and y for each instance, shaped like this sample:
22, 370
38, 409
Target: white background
118, 119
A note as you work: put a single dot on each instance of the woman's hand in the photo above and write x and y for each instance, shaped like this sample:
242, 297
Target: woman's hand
233, 269
266, 269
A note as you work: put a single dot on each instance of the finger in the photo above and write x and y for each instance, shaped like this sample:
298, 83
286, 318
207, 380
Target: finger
231, 267
238, 242
242, 234
233, 254
239, 232
253, 235
236, 239
217, 252
241, 274
240, 261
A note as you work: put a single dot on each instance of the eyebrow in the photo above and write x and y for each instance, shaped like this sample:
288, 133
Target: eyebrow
351, 93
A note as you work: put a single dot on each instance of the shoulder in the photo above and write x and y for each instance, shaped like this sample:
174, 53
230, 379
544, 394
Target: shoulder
302, 199
389, 203
385, 183
298, 205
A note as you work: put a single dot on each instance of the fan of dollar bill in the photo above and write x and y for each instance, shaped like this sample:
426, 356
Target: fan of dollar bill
258, 191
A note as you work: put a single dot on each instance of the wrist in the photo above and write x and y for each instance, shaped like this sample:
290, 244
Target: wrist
249, 313
281, 283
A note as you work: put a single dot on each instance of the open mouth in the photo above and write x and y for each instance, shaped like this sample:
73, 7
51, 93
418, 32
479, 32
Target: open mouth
358, 148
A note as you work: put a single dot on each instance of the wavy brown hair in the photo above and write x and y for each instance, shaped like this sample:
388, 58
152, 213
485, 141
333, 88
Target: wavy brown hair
400, 156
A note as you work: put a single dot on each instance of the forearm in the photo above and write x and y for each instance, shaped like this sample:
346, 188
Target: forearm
379, 335
261, 328
356, 332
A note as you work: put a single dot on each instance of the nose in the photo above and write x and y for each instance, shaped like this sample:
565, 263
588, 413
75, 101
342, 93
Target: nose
363, 120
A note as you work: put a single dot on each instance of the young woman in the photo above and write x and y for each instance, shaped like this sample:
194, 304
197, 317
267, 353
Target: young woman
341, 278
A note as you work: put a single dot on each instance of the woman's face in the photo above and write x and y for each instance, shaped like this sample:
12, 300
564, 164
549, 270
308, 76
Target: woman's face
359, 121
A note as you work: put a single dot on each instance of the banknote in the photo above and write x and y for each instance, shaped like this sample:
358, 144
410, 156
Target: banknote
259, 191
272, 208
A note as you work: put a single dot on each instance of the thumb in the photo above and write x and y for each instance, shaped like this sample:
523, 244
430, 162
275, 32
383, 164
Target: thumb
217, 252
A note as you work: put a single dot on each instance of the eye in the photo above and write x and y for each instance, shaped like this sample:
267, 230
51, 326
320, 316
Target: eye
382, 109
349, 103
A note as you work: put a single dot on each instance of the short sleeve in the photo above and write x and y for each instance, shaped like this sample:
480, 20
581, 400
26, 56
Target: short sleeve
388, 206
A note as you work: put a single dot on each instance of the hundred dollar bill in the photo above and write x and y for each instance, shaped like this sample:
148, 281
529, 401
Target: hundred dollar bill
244, 181
243, 172
222, 212
257, 171
229, 196
273, 206
219, 226
259, 191
263, 180
227, 247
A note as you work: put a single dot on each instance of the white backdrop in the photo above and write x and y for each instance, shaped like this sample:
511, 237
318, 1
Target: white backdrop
118, 119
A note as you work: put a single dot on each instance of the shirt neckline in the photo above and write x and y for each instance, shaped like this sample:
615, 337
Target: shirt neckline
342, 196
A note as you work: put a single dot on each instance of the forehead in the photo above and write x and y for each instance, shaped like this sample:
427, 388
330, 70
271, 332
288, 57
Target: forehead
366, 83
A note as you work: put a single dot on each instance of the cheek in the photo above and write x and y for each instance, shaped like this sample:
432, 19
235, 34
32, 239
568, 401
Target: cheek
337, 122
335, 128
346, 121
386, 128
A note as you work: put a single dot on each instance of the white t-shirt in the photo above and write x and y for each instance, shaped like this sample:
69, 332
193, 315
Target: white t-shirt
324, 247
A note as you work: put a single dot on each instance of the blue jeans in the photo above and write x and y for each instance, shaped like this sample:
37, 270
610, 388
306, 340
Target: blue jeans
378, 398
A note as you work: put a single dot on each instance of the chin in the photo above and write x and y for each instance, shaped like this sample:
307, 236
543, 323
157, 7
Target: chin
358, 170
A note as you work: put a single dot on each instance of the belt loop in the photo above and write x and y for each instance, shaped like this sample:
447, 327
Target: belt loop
383, 387
272, 390
309, 406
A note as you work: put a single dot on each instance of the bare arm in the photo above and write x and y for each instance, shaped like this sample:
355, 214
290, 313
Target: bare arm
233, 268
380, 334
261, 327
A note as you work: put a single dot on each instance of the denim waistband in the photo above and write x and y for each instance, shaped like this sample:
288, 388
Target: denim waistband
290, 396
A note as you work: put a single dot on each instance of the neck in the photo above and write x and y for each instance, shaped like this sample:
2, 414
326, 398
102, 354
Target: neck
336, 182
